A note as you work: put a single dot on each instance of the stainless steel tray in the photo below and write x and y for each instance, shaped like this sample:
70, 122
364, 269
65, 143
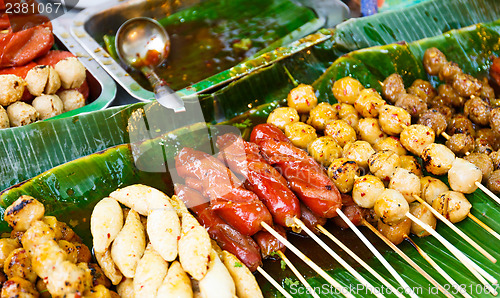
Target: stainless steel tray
91, 24
101, 86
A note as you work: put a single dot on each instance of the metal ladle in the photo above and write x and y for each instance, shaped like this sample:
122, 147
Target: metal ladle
143, 44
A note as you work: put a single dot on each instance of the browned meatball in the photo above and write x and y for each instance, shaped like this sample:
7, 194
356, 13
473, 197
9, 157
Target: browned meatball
483, 162
477, 110
494, 182
460, 143
488, 134
460, 124
414, 105
449, 71
433, 60
393, 86
450, 95
495, 158
495, 120
466, 85
422, 89
487, 91
482, 146
447, 112
439, 101
433, 119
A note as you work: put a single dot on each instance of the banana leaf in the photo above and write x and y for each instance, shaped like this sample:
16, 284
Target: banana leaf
71, 189
29, 151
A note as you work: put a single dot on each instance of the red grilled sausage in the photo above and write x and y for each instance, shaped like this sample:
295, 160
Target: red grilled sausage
268, 243
304, 175
238, 206
310, 219
261, 178
243, 247
352, 211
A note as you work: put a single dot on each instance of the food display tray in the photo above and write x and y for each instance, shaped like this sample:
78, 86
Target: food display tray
92, 24
101, 85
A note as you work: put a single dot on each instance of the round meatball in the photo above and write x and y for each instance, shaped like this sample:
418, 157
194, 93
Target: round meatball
390, 143
392, 119
449, 71
407, 183
413, 104
48, 106
415, 138
452, 205
359, 151
366, 190
391, 206
343, 171
283, 116
411, 164
71, 72
487, 92
494, 182
466, 85
495, 120
321, 115
433, 119
460, 124
393, 86
431, 188
490, 137
11, 89
341, 131
449, 95
495, 158
397, 232
438, 159
324, 150
346, 90
483, 162
72, 99
433, 61
368, 103
18, 287
464, 175
21, 113
42, 79
383, 164
4, 118
422, 89
300, 134
478, 111
460, 143
482, 146
447, 112
369, 130
347, 113
425, 215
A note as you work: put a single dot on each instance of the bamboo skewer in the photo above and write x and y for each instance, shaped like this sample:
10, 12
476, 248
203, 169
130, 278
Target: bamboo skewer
344, 264
483, 225
456, 230
308, 261
360, 261
274, 283
377, 254
297, 273
407, 259
434, 265
471, 266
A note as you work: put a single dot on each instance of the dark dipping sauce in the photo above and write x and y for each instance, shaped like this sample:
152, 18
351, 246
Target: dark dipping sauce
215, 36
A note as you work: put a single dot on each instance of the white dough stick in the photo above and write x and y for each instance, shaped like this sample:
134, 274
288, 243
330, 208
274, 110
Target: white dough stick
149, 273
129, 245
106, 222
